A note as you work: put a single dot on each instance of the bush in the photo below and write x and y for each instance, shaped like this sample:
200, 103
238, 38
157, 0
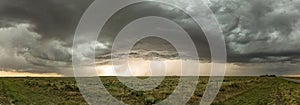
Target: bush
198, 94
222, 89
31, 83
14, 101
234, 85
150, 100
137, 93
268, 75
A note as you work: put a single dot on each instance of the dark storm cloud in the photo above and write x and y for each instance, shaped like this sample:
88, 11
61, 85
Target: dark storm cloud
22, 50
126, 15
51, 18
37, 35
258, 29
253, 29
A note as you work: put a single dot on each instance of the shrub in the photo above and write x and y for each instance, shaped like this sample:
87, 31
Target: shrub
150, 100
198, 94
30, 83
234, 85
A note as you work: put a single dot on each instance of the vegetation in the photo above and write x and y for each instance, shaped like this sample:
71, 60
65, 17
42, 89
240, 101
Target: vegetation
234, 91
274, 91
268, 75
37, 91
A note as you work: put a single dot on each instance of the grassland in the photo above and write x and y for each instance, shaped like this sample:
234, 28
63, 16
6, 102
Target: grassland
234, 91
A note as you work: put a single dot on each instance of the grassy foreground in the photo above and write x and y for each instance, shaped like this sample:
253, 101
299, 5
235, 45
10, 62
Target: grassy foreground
234, 91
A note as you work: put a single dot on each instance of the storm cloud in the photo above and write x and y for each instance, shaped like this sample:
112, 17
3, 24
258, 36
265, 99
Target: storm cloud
260, 29
36, 36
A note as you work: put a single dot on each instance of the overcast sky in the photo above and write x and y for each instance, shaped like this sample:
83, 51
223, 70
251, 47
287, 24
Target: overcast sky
262, 36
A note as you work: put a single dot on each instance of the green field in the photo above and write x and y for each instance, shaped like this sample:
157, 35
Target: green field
234, 91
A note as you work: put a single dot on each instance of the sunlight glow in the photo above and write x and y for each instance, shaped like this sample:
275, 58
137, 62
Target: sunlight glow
27, 74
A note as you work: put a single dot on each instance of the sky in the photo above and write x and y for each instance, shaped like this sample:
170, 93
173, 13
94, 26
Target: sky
262, 37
